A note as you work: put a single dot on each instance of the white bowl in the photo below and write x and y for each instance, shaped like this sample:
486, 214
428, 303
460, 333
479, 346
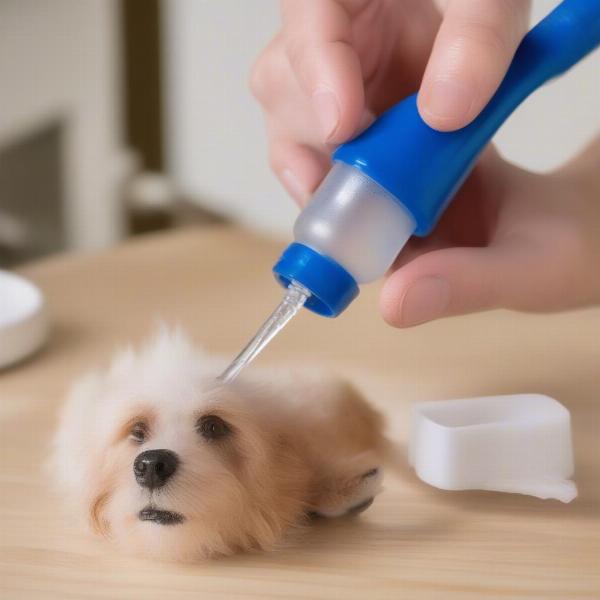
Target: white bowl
519, 443
23, 318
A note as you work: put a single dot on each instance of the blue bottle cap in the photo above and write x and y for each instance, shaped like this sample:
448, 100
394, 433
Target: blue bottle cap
332, 288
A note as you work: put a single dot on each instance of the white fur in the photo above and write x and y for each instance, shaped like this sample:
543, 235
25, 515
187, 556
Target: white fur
300, 442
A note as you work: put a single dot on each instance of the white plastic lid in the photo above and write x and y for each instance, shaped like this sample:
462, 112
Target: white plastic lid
23, 321
519, 443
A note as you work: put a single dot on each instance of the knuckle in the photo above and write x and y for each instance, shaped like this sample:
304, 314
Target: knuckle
493, 26
275, 157
265, 72
256, 81
488, 38
296, 51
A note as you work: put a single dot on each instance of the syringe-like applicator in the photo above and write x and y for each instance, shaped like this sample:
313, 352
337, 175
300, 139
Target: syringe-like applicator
397, 178
292, 302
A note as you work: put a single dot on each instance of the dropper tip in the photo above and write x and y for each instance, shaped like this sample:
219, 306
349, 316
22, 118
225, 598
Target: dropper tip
294, 299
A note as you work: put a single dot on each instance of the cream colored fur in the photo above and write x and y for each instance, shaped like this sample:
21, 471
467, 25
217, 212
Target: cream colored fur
300, 443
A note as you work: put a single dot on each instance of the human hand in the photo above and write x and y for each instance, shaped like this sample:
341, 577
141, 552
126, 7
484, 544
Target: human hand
337, 64
510, 239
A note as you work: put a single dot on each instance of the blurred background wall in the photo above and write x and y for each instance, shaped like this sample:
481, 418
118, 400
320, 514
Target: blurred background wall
125, 116
60, 127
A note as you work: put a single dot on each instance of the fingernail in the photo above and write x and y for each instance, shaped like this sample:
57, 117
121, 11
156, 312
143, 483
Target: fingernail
293, 186
426, 299
327, 109
447, 100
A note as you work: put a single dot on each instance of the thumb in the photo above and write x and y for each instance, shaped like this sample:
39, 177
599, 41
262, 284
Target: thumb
318, 42
458, 281
471, 54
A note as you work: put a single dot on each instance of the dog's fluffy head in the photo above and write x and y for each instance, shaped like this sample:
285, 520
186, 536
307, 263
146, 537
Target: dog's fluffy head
236, 484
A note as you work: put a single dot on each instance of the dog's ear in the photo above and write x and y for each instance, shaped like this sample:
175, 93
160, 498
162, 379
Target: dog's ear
73, 438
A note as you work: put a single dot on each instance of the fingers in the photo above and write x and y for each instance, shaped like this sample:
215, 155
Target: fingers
300, 168
458, 281
472, 51
318, 44
309, 84
296, 156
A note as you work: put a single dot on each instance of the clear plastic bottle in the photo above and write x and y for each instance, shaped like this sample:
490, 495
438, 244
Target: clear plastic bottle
356, 222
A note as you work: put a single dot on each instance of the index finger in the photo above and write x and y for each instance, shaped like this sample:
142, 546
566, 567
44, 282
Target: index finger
318, 42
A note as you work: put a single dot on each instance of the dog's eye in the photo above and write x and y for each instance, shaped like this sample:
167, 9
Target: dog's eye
212, 427
139, 432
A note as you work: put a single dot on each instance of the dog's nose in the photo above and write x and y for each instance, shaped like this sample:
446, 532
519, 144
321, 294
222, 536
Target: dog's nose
153, 468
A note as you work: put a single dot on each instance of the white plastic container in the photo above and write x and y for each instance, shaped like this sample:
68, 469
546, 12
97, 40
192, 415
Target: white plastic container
519, 443
23, 319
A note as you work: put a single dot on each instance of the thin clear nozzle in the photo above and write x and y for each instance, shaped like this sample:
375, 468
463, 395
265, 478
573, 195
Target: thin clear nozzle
294, 299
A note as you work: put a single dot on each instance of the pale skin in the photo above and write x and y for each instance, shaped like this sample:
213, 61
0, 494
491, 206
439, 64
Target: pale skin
511, 238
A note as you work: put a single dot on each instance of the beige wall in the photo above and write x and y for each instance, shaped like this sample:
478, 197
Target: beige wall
59, 60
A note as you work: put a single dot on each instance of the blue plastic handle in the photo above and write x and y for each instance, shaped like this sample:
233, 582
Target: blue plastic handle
422, 167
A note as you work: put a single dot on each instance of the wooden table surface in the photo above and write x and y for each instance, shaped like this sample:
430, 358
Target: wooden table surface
415, 542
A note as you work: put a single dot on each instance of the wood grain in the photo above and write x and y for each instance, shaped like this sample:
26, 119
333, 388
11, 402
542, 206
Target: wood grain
415, 542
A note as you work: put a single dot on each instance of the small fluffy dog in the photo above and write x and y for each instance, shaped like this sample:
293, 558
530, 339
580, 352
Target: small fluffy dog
168, 462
